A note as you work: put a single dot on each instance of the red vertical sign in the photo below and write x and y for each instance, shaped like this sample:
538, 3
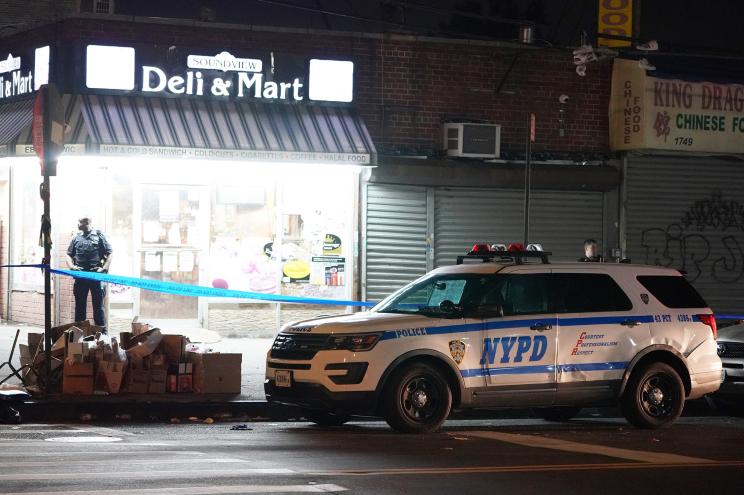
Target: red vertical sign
48, 128
532, 127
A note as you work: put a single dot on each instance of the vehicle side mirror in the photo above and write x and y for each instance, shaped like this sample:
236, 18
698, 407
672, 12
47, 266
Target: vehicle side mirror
448, 307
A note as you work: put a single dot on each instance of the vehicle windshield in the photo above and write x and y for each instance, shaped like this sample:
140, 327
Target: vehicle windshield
472, 295
425, 297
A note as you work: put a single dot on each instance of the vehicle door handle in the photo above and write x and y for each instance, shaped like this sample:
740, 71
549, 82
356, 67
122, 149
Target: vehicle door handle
630, 323
541, 326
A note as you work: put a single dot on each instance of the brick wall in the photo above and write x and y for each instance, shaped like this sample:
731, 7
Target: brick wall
28, 307
25, 11
407, 87
66, 296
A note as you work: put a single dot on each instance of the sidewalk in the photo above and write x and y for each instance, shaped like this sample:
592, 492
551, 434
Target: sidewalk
250, 403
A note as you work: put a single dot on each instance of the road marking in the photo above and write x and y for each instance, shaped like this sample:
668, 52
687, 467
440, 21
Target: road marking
112, 453
585, 448
36, 443
191, 473
100, 430
206, 490
130, 462
41, 432
524, 469
83, 439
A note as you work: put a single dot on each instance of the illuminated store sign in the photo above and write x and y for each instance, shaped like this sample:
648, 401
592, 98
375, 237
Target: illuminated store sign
17, 79
223, 75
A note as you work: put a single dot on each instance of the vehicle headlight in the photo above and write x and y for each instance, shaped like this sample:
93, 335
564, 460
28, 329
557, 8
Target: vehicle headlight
356, 342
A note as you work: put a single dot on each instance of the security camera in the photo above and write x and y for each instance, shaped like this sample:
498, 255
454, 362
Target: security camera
646, 65
563, 99
650, 46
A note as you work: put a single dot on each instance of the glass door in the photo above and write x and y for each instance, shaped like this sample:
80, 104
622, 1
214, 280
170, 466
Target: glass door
173, 233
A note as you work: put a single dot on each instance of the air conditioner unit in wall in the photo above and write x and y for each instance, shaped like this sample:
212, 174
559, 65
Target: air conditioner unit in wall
472, 140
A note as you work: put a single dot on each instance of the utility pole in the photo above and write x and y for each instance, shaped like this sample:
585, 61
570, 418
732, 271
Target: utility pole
48, 137
528, 176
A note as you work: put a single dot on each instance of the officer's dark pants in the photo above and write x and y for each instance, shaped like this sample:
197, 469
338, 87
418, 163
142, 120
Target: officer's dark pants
81, 289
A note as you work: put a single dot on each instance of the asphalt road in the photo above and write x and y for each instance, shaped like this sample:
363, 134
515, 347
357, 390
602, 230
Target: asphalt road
588, 455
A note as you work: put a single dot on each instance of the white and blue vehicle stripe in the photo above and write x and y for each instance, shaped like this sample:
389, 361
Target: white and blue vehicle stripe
526, 370
505, 325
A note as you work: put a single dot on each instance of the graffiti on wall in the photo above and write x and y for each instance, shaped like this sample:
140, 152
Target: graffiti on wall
706, 241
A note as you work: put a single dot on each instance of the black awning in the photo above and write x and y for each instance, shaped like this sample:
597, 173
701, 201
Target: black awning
697, 68
14, 118
76, 131
216, 125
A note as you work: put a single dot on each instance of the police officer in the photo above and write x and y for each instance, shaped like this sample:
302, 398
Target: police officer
591, 251
89, 251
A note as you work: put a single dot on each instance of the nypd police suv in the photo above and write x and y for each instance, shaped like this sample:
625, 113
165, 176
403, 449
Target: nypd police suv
506, 329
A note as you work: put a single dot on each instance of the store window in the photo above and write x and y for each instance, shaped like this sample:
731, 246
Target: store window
26, 211
241, 246
317, 236
308, 255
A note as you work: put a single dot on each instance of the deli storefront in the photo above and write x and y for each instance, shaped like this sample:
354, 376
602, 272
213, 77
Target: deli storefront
683, 188
202, 168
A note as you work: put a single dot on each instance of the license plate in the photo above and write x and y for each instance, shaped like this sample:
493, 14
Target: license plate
283, 378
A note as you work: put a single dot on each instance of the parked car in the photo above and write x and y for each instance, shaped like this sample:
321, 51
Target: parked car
505, 332
731, 351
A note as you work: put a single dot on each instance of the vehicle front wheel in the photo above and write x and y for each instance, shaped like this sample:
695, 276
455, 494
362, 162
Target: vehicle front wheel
557, 414
654, 396
417, 399
324, 418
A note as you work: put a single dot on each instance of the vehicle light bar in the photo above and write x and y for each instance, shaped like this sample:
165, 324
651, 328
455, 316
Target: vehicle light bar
514, 252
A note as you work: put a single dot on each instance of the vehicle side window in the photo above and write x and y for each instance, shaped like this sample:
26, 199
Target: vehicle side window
588, 293
526, 294
672, 291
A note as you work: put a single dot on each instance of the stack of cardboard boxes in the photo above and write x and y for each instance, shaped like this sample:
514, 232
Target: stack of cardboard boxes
146, 362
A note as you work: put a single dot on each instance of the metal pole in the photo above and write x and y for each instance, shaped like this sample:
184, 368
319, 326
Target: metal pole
527, 179
46, 238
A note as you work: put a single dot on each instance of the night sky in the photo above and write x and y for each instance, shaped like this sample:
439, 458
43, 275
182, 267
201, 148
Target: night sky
710, 26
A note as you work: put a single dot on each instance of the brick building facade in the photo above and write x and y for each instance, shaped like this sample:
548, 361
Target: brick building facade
406, 87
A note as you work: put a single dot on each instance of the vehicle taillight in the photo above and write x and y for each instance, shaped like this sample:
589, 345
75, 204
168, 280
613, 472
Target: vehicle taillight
710, 320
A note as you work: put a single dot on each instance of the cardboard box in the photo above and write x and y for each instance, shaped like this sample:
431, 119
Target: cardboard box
216, 373
172, 383
156, 360
139, 328
78, 352
124, 338
111, 376
35, 340
138, 381
77, 378
173, 346
144, 344
158, 381
185, 383
82, 325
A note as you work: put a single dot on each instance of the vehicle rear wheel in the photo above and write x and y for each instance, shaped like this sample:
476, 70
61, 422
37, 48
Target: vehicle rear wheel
557, 414
417, 399
325, 418
654, 396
